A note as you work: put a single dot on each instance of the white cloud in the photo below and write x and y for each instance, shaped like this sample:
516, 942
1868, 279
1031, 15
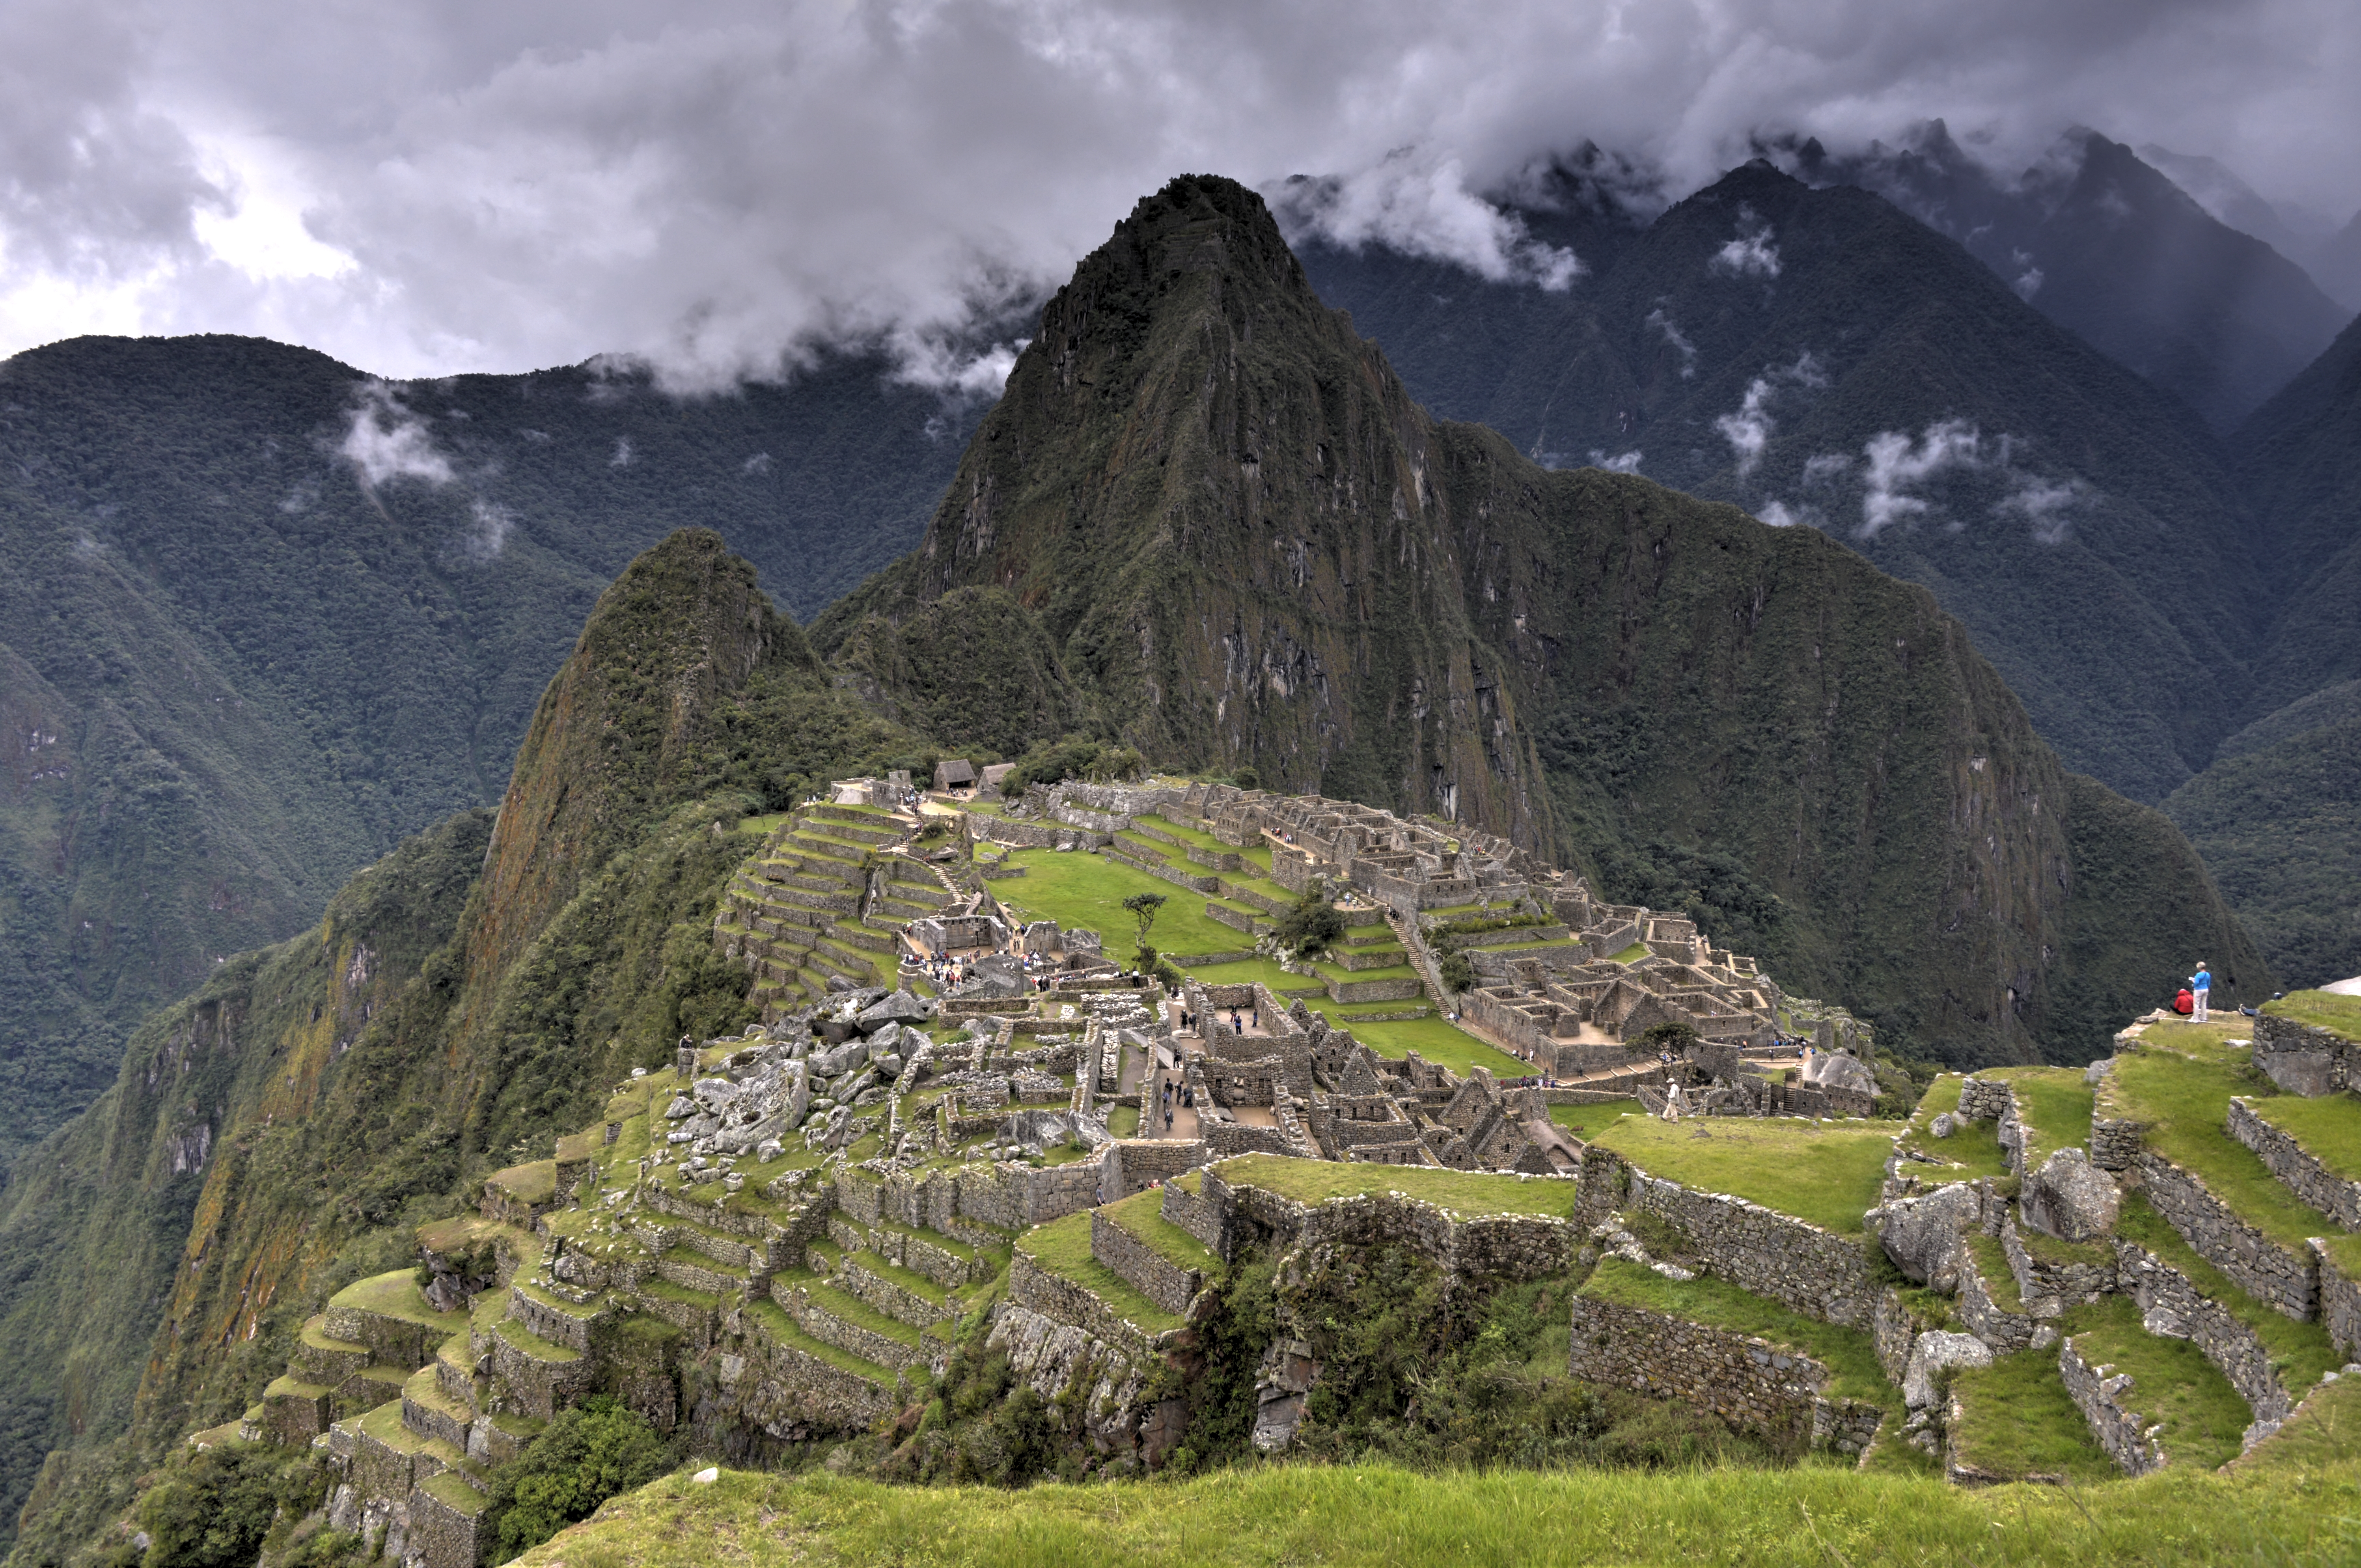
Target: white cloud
1662, 321
1623, 463
1779, 515
386, 442
1897, 465
1749, 430
1751, 253
2044, 504
710, 187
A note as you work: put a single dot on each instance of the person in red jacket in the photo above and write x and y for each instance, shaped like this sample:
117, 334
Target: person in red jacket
2184, 1004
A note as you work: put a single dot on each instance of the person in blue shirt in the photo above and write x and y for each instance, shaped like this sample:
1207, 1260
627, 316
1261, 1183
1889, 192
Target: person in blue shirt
2199, 984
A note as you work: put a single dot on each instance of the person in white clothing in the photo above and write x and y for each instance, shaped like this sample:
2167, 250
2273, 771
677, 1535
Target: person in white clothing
2200, 984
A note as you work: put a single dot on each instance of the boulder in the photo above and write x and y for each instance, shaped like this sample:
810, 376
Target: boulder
2071, 1199
715, 1094
1922, 1236
901, 1007
682, 1105
1944, 1126
1933, 1351
1837, 1070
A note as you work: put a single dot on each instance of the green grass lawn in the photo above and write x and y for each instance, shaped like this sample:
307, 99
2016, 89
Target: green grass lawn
762, 826
1432, 1038
1354, 1514
1123, 1122
2054, 1106
1632, 954
2185, 1102
396, 1294
1589, 1120
2172, 1383
1461, 1192
1972, 1151
2329, 1128
1087, 890
2325, 1009
2017, 1419
1142, 1214
1850, 1355
1827, 1175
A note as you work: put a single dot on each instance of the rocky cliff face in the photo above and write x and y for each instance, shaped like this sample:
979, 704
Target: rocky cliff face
1248, 545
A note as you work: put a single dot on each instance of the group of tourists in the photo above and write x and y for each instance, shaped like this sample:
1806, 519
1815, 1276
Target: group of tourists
2194, 995
1174, 1095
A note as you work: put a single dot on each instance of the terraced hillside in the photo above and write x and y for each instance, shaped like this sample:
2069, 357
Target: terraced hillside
827, 899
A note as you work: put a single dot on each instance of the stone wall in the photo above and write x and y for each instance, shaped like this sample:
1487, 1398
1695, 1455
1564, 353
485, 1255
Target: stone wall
2046, 1288
2340, 1304
1747, 1382
2299, 1172
1063, 1300
1505, 1248
2105, 1403
2171, 1305
2302, 1059
1155, 1276
1133, 1165
2264, 1270
2114, 1144
781, 1389
1818, 1273
1196, 1215
1981, 1313
1985, 1101
1026, 835
1224, 1139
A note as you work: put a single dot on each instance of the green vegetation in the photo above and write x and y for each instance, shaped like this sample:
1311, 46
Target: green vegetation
1973, 1150
1589, 1120
218, 1507
2299, 1352
1828, 1173
2016, 1419
586, 1455
1141, 1214
2327, 1127
2326, 1009
2184, 1102
2054, 1104
2172, 1383
1465, 1192
1310, 925
2278, 830
1377, 1515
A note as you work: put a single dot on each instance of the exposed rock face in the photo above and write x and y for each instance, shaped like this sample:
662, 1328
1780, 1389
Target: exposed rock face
2072, 1199
1837, 1070
1922, 1234
1934, 1352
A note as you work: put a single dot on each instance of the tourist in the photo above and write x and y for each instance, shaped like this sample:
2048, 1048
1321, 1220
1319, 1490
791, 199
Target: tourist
2185, 1004
2201, 985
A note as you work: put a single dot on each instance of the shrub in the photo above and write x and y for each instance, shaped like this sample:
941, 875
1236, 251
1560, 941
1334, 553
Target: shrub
214, 1510
584, 1457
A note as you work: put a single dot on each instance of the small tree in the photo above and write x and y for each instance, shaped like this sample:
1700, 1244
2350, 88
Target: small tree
1667, 1036
1144, 907
1310, 925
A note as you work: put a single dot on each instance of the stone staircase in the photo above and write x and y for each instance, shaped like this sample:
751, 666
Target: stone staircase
827, 898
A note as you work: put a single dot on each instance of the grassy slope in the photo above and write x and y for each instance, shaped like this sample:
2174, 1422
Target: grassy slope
2185, 1102
1386, 1517
1850, 1355
1826, 1173
2017, 1419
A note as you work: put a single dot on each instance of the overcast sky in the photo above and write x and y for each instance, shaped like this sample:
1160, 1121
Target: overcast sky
426, 186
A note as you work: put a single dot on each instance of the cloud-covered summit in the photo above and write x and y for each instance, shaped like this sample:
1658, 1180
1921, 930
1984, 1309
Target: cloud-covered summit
423, 187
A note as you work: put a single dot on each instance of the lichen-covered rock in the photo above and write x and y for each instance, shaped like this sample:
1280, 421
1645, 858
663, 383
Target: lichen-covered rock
2072, 1199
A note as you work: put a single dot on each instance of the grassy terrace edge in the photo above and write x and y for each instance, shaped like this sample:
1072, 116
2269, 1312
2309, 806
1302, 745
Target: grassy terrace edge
2271, 1509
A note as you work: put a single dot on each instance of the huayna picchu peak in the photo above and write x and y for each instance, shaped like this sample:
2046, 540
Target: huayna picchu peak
1283, 929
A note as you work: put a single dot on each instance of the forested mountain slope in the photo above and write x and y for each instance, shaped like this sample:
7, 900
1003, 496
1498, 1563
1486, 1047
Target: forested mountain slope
1816, 355
1246, 546
261, 617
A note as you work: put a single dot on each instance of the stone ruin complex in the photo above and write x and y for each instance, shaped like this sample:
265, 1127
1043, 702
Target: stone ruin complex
806, 1210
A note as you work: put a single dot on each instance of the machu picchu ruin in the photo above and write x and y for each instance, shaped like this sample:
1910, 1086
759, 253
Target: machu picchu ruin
963, 1132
